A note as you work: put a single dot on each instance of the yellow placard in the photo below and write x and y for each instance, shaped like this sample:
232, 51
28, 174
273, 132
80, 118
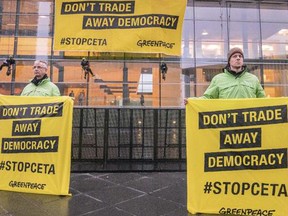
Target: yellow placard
35, 150
119, 26
237, 156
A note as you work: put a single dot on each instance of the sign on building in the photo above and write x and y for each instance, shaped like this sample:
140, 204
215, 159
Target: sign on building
119, 26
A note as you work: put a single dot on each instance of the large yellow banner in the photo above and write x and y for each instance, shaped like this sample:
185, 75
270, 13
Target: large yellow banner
237, 156
119, 26
35, 149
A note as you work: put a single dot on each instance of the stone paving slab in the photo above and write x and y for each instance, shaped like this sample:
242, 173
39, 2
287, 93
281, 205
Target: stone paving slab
106, 194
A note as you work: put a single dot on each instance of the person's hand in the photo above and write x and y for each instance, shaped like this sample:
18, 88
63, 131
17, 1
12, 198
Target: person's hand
185, 101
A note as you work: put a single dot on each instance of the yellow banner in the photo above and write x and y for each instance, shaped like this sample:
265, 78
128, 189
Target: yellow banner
119, 26
237, 156
35, 150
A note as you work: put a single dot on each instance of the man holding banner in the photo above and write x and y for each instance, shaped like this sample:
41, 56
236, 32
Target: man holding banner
237, 149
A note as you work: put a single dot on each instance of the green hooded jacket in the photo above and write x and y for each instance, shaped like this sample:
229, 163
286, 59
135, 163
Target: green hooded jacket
232, 85
44, 88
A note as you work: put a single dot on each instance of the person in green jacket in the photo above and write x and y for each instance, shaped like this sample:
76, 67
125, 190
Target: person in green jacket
235, 81
40, 85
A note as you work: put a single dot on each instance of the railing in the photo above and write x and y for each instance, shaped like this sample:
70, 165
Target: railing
128, 139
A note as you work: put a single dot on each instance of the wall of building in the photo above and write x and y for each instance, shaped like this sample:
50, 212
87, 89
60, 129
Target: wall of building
210, 28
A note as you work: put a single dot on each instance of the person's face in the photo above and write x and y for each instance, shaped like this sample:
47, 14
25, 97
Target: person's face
236, 60
40, 69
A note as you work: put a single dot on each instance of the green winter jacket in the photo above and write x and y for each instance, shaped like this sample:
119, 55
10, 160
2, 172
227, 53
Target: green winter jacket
44, 88
231, 85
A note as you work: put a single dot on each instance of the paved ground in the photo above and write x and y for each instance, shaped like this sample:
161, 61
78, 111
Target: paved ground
106, 194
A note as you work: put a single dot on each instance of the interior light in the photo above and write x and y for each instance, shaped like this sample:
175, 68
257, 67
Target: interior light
283, 32
267, 48
211, 47
204, 32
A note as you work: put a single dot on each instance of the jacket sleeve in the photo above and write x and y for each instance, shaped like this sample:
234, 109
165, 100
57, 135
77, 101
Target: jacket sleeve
24, 91
212, 92
55, 91
260, 93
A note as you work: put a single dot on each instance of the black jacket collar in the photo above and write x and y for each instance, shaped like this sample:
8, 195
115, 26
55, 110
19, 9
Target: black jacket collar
234, 73
37, 81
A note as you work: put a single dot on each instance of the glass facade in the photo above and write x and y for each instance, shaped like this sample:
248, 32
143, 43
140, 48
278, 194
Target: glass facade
210, 28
